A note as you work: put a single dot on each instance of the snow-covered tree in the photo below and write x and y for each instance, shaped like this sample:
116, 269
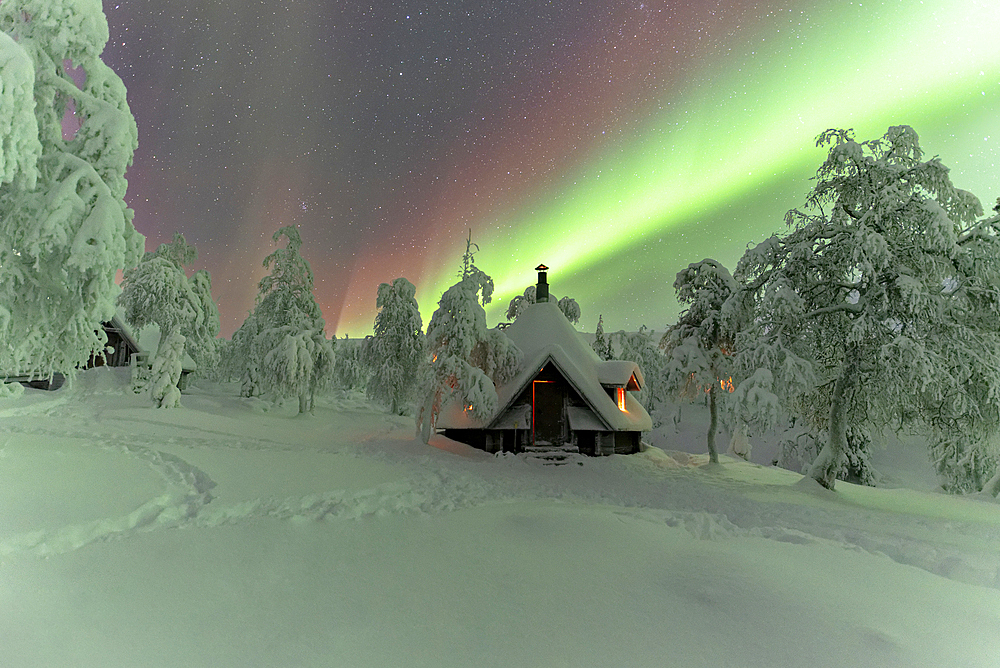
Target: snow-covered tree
167, 368
463, 357
641, 347
965, 422
800, 447
966, 462
567, 305
870, 310
570, 309
349, 370
158, 292
698, 346
602, 344
520, 302
281, 349
394, 352
203, 341
64, 227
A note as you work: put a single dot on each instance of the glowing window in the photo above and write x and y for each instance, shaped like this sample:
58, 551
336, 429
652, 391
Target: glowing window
620, 394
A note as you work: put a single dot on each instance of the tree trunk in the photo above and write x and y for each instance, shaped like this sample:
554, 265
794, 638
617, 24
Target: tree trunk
824, 468
713, 426
425, 418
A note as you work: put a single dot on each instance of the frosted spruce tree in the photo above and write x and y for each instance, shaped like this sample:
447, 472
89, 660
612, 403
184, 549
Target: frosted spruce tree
641, 347
698, 346
394, 352
865, 314
463, 358
158, 292
64, 227
281, 350
567, 305
204, 345
349, 369
602, 343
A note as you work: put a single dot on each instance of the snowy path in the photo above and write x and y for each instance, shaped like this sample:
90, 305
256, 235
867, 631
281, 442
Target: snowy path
222, 535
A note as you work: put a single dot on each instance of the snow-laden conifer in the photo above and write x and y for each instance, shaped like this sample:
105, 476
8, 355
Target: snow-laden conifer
869, 312
20, 147
64, 227
394, 352
602, 343
158, 292
698, 346
349, 369
642, 348
281, 350
203, 342
167, 368
463, 358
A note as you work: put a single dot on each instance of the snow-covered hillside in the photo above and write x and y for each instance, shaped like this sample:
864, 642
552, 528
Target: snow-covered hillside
226, 534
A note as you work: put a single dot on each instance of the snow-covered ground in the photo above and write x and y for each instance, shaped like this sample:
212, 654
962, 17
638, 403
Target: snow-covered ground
226, 534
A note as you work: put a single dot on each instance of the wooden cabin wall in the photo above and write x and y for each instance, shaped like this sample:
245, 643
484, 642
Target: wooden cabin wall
121, 355
627, 442
474, 437
490, 440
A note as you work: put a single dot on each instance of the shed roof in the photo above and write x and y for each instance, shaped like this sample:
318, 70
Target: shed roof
118, 324
147, 339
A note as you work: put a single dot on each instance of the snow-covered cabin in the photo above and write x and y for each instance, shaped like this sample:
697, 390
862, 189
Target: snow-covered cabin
564, 396
129, 348
124, 348
121, 346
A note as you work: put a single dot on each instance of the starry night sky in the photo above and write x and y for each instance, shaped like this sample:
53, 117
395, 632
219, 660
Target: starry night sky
615, 141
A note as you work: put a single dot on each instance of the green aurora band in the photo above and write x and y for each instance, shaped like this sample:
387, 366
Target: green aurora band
718, 165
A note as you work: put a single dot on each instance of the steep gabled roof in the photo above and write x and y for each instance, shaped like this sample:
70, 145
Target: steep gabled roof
543, 334
117, 324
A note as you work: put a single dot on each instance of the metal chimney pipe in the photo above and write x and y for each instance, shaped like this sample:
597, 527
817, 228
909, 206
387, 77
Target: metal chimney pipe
542, 288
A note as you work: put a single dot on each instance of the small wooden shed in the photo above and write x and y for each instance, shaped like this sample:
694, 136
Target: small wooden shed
124, 348
122, 344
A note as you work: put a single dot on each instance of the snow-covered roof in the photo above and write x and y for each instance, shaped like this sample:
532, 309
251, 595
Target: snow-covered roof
147, 339
543, 334
584, 419
124, 330
621, 373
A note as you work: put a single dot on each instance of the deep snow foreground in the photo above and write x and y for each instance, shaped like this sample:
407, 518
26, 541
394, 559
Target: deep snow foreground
225, 534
